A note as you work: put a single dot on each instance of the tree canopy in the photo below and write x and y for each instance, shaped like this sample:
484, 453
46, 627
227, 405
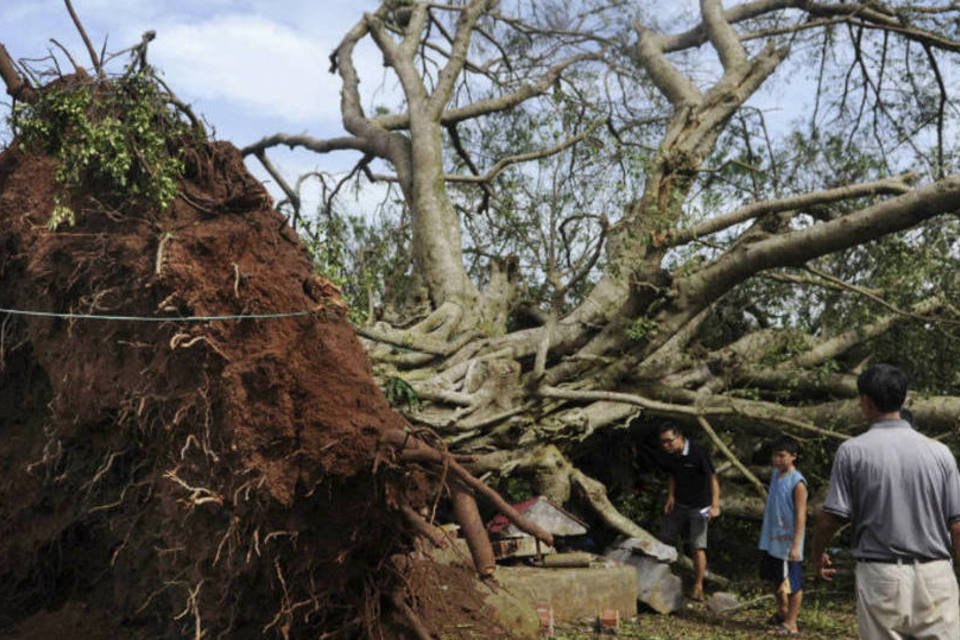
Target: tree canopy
602, 209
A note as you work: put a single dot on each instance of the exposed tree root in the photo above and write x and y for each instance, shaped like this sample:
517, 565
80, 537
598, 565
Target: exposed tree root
471, 525
412, 619
410, 449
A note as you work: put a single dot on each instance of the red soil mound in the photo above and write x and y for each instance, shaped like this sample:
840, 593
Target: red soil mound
173, 479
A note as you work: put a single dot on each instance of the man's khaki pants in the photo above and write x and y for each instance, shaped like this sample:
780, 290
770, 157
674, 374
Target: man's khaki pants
908, 600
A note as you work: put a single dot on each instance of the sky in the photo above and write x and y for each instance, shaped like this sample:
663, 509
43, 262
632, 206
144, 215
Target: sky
251, 67
257, 67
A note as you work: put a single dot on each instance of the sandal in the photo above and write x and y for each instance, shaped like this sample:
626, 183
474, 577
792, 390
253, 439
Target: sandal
783, 630
775, 620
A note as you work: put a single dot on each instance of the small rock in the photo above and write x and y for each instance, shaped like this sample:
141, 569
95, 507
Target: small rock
722, 602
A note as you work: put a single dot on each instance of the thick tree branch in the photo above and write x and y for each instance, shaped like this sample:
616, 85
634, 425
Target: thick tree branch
833, 347
354, 120
416, 25
416, 340
401, 60
799, 246
671, 82
698, 35
897, 185
596, 494
722, 35
712, 406
871, 15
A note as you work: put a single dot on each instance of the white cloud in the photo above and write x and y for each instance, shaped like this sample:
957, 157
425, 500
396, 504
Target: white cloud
252, 62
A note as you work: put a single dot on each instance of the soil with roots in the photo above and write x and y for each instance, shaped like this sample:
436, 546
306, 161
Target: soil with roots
197, 479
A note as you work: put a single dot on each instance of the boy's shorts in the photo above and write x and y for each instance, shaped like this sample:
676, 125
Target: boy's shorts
784, 574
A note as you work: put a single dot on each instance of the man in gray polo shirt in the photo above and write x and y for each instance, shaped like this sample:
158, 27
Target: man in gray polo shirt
901, 493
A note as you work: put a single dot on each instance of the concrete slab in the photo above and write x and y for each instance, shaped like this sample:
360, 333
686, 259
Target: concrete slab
575, 593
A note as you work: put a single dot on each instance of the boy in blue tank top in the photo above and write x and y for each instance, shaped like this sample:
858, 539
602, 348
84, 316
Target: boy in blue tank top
781, 538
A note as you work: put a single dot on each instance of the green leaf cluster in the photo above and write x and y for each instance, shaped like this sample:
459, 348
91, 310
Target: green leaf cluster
118, 137
399, 393
641, 328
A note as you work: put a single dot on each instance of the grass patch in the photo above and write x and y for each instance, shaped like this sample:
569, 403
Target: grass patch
827, 613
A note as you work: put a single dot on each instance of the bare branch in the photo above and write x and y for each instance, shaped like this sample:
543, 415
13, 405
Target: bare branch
665, 408
416, 25
875, 16
86, 39
458, 56
400, 59
734, 460
492, 105
596, 494
66, 52
354, 120
290, 192
503, 163
318, 145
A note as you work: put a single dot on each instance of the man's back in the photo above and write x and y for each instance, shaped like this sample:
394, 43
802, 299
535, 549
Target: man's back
899, 488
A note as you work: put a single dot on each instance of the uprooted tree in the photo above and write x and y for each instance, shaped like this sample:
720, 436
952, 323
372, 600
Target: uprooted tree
596, 221
193, 444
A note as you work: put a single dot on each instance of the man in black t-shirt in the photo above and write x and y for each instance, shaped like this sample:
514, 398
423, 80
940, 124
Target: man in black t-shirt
693, 498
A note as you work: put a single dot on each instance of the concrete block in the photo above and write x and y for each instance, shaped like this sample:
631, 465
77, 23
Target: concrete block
575, 593
513, 613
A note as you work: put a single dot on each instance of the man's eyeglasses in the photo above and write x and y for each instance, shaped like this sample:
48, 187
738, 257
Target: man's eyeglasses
668, 440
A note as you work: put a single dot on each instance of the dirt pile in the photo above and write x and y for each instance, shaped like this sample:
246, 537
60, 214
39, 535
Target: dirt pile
216, 478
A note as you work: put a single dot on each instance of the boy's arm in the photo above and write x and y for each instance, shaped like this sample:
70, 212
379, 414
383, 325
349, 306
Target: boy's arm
800, 520
714, 496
